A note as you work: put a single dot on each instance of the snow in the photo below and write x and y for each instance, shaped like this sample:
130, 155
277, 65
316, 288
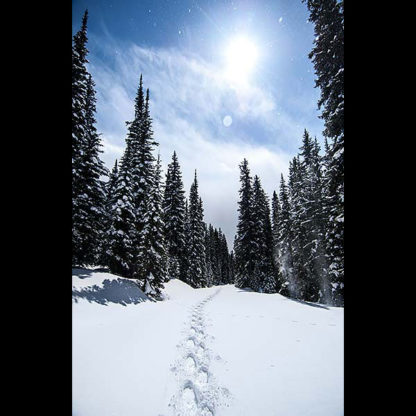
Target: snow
210, 351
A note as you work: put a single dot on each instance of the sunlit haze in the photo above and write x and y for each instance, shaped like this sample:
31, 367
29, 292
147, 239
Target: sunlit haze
228, 80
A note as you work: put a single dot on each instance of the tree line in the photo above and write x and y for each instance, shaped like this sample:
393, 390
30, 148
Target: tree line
297, 249
135, 224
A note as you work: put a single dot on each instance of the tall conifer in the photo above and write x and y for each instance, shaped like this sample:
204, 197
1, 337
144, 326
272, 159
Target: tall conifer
244, 244
195, 274
174, 219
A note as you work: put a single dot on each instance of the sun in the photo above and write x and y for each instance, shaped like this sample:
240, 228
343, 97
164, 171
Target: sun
241, 56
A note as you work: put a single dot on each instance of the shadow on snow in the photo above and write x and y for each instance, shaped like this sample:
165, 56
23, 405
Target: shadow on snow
303, 302
121, 291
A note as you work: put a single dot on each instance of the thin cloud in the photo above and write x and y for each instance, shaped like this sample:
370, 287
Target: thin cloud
189, 99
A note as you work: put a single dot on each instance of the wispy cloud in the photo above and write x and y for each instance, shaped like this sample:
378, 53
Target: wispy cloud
189, 99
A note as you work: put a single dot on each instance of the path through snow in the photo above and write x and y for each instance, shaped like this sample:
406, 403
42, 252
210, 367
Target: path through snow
275, 355
198, 393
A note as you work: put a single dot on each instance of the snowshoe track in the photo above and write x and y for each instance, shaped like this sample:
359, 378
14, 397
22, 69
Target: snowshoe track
198, 393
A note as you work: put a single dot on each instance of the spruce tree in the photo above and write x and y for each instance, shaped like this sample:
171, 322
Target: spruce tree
275, 236
333, 193
327, 56
174, 220
285, 240
328, 59
88, 194
224, 258
185, 257
142, 167
79, 93
121, 235
232, 268
195, 274
310, 206
109, 202
208, 256
244, 244
300, 272
154, 255
263, 279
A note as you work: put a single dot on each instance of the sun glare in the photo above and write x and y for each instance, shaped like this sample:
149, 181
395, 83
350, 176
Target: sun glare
241, 56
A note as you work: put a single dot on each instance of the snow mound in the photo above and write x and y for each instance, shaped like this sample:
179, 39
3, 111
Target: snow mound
105, 288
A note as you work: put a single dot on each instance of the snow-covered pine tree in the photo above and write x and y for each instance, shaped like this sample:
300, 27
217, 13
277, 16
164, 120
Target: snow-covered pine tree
311, 213
184, 265
244, 245
327, 56
154, 255
109, 202
225, 259
328, 59
208, 255
196, 249
285, 239
216, 265
231, 268
91, 201
334, 215
79, 93
263, 278
174, 220
142, 170
88, 194
121, 233
298, 220
275, 235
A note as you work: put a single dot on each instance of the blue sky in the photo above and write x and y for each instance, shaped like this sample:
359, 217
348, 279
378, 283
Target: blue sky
184, 49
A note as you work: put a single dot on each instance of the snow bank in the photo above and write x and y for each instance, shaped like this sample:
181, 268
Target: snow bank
105, 288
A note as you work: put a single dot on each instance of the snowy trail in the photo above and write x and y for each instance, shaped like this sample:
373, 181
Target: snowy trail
198, 393
274, 355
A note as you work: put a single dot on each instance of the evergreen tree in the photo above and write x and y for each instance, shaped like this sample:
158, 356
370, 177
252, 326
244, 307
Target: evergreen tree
88, 194
300, 272
275, 235
328, 59
208, 256
285, 239
109, 203
231, 268
121, 233
195, 275
310, 212
263, 278
327, 56
174, 220
244, 244
215, 256
154, 255
142, 167
333, 194
79, 93
224, 258
185, 260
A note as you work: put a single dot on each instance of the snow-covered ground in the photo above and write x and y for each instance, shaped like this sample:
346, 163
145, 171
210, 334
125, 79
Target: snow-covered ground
212, 351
